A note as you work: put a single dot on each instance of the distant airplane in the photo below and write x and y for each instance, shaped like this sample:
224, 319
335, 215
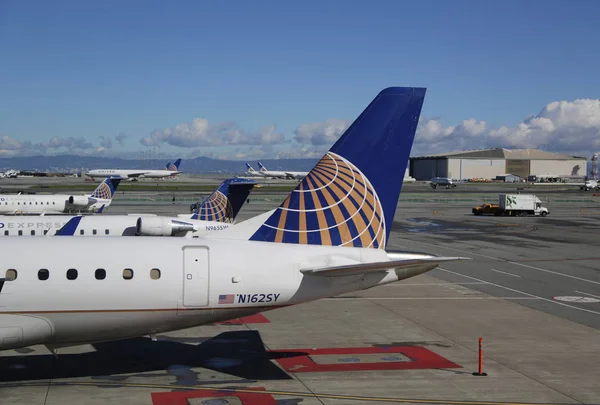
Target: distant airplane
590, 185
216, 213
170, 170
9, 174
441, 181
326, 239
97, 201
284, 174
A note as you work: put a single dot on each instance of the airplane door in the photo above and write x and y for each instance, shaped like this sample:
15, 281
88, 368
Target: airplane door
195, 276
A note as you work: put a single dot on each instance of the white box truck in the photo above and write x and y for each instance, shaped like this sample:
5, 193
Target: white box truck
521, 204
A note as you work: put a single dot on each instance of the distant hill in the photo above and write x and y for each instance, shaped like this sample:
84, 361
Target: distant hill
195, 165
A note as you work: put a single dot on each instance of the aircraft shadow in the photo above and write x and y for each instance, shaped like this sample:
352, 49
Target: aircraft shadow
237, 353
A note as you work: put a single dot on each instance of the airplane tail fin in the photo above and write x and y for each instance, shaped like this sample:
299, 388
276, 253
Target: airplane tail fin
349, 198
168, 166
70, 227
225, 202
174, 166
106, 189
250, 168
261, 167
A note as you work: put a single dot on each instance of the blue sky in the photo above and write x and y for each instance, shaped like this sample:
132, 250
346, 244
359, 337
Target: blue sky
275, 78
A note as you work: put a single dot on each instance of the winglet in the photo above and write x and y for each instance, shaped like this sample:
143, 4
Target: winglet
70, 227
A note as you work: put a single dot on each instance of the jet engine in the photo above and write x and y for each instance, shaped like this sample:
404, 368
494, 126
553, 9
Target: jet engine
157, 226
79, 201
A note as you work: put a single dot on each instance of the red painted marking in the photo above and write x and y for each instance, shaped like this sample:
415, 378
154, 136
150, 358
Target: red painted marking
421, 358
256, 318
181, 397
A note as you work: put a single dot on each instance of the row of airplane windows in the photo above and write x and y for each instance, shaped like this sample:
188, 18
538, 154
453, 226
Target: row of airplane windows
30, 203
72, 274
45, 231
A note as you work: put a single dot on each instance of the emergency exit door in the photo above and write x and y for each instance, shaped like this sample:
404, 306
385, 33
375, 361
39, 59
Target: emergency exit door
195, 276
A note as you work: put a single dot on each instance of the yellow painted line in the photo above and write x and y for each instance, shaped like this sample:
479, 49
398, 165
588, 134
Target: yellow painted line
273, 392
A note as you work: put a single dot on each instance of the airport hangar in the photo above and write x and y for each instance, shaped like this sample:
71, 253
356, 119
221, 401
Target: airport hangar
489, 163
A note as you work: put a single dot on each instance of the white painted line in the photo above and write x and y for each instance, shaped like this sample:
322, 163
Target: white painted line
503, 272
524, 293
444, 247
418, 284
584, 293
556, 272
427, 298
507, 261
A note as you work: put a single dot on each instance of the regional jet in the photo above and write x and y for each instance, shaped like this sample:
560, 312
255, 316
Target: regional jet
216, 213
327, 238
96, 202
171, 170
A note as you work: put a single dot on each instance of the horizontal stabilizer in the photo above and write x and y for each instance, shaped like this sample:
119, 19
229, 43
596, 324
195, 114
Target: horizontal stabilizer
361, 268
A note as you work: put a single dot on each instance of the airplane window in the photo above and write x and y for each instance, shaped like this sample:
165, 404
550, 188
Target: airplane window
155, 274
36, 203
71, 274
127, 274
11, 274
33, 232
29, 202
106, 231
53, 203
43, 274
100, 274
6, 233
81, 231
94, 232
20, 233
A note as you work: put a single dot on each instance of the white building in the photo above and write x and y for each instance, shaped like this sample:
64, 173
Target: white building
489, 163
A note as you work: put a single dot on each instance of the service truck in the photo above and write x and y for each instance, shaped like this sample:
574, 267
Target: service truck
521, 204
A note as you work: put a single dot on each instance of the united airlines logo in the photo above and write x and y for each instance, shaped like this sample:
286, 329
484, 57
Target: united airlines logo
216, 208
172, 167
103, 192
334, 205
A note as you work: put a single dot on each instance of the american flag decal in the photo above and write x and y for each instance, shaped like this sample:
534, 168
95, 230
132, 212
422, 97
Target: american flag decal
226, 298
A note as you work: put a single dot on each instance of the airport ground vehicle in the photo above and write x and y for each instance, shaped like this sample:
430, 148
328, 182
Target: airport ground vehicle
487, 208
441, 181
521, 205
590, 185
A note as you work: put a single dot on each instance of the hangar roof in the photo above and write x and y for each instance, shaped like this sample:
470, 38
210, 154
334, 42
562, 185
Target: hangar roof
502, 153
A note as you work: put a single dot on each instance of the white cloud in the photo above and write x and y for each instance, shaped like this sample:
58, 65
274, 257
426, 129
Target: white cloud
321, 133
200, 133
561, 126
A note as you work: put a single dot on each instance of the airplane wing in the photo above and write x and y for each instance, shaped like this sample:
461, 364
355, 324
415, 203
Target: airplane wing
361, 268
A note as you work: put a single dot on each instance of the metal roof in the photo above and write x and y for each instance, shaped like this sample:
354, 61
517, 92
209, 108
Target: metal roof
502, 153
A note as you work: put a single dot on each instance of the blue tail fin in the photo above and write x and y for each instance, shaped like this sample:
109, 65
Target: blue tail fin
106, 189
168, 166
174, 166
261, 167
349, 198
70, 227
250, 168
225, 202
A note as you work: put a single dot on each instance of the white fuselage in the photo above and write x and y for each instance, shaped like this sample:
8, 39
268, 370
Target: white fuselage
282, 174
127, 174
45, 204
103, 225
78, 290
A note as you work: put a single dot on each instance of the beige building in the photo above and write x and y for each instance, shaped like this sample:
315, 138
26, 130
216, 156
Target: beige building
489, 163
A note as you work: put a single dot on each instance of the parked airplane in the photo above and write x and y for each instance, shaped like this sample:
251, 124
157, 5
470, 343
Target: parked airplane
59, 204
327, 238
284, 174
9, 174
129, 174
217, 212
441, 181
